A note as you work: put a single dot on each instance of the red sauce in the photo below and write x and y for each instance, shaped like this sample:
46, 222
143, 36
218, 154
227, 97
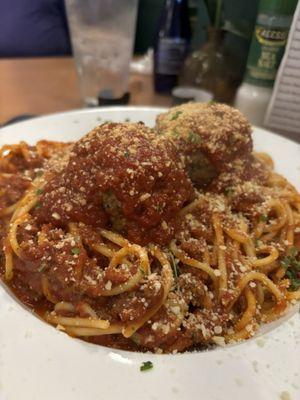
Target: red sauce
145, 185
121, 176
125, 178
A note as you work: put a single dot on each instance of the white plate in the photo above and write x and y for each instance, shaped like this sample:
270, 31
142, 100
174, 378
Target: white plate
39, 362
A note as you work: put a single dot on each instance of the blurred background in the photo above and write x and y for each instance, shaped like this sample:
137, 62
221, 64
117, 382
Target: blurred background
57, 55
40, 27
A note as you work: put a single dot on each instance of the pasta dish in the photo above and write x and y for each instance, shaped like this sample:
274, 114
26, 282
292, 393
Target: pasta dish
164, 239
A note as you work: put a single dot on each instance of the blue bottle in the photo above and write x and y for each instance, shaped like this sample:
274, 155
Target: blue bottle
171, 44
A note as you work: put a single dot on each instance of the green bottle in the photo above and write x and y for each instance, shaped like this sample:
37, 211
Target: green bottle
266, 50
269, 40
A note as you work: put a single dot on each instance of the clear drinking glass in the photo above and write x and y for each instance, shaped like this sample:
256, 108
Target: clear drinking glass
102, 34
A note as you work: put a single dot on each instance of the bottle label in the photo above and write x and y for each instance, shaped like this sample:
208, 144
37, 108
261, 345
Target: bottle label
170, 55
266, 50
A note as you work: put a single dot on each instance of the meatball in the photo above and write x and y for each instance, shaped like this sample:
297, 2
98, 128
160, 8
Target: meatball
244, 183
209, 135
122, 176
239, 172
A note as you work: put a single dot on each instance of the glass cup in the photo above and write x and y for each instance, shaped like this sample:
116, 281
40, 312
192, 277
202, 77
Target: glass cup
102, 34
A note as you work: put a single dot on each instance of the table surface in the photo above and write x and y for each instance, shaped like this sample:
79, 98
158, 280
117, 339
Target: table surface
46, 85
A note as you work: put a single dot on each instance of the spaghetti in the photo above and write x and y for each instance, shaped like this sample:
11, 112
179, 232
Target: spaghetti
123, 250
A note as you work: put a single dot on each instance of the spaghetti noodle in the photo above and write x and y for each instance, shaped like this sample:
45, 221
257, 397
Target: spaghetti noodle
109, 241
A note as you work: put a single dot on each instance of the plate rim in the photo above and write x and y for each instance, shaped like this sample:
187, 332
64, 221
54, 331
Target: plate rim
134, 357
290, 312
129, 108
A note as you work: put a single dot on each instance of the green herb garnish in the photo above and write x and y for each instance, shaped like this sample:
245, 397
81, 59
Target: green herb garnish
293, 251
42, 267
127, 119
40, 173
229, 191
263, 218
175, 115
39, 192
159, 208
146, 365
126, 154
174, 266
194, 138
75, 250
38, 205
175, 133
292, 266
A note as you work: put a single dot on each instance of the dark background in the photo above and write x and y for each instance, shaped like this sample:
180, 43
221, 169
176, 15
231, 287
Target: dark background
39, 28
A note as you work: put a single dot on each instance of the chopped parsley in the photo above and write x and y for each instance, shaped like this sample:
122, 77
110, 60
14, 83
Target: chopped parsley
39, 192
39, 173
294, 278
291, 263
42, 267
127, 119
194, 137
175, 115
175, 133
256, 242
229, 191
75, 250
263, 218
174, 265
126, 154
159, 208
38, 205
146, 365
